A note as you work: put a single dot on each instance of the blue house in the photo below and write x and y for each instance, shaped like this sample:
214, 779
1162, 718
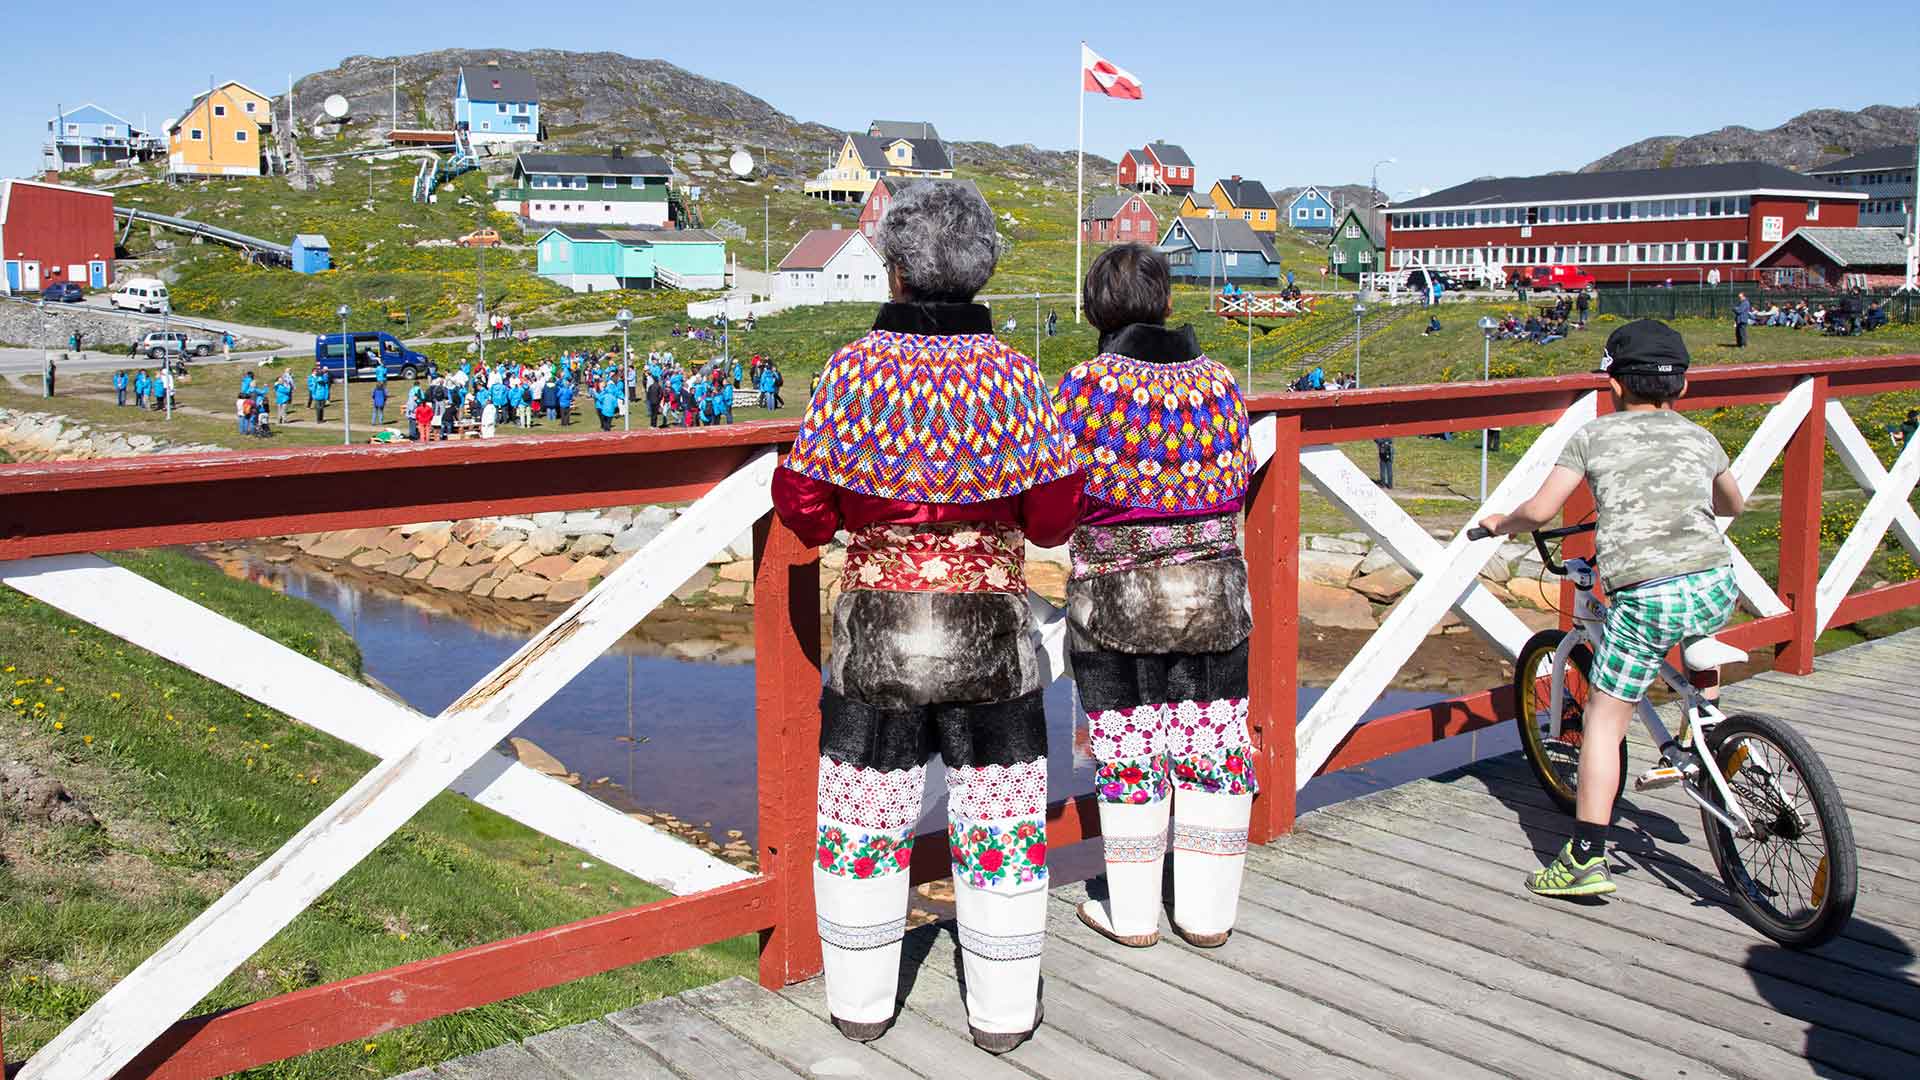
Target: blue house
311, 253
1311, 211
90, 135
497, 105
1219, 249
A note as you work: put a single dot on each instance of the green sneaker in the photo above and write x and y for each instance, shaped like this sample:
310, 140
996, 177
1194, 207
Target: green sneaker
1564, 877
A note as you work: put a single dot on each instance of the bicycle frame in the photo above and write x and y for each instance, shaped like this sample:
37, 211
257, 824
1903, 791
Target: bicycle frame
1590, 628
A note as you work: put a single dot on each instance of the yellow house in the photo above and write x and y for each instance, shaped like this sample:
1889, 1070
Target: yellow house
1247, 200
864, 159
1196, 205
222, 133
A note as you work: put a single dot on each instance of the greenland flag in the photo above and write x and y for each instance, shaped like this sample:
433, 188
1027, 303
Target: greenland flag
1101, 76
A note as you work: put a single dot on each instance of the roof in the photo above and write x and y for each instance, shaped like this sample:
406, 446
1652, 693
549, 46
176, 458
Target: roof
816, 249
94, 114
1247, 194
903, 129
1202, 200
1106, 206
1886, 157
592, 165
927, 153
663, 236
310, 240
1169, 154
515, 84
576, 232
1742, 176
1138, 157
1309, 190
1223, 234
897, 184
1374, 221
1863, 247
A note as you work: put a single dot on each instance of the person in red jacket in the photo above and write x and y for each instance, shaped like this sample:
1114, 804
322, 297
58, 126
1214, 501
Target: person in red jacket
1157, 608
933, 649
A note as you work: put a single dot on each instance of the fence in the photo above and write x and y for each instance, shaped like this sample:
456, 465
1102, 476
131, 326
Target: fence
1717, 303
51, 516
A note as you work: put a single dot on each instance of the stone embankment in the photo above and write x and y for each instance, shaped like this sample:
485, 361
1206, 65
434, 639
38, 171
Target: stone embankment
36, 436
102, 333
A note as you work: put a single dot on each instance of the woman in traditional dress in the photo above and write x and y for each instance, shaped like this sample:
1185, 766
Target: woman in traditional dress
1157, 605
935, 446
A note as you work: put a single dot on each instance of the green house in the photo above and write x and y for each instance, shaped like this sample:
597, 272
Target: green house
587, 259
1358, 244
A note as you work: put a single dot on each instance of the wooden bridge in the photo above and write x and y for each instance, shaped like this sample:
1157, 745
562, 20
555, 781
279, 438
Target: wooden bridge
1388, 936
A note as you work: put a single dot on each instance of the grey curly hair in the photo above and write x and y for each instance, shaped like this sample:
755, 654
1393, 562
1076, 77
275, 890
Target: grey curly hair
939, 237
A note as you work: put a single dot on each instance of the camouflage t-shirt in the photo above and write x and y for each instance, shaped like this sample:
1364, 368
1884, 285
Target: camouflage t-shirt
1652, 476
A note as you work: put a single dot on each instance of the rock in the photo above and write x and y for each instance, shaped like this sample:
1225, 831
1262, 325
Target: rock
1328, 568
420, 572
504, 538
566, 592
1383, 586
695, 585
458, 578
742, 546
618, 517
1535, 593
395, 543
1337, 544
503, 554
1497, 570
644, 819
580, 517
368, 538
521, 587
368, 559
738, 570
728, 590
474, 530
539, 760
423, 528
484, 587
591, 544
1497, 591
615, 562
547, 541
586, 569
399, 565
522, 555
549, 517
40, 797
695, 648
551, 567
518, 524
429, 545
635, 536
1377, 560
455, 554
654, 515
1326, 606
337, 545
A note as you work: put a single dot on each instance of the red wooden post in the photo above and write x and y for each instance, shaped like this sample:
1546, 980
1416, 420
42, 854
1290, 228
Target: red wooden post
786, 675
1802, 473
1273, 558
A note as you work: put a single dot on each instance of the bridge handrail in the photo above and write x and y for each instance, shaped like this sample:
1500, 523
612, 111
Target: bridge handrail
50, 510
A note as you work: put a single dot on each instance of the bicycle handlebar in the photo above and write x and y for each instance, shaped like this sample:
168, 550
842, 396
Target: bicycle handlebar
1540, 538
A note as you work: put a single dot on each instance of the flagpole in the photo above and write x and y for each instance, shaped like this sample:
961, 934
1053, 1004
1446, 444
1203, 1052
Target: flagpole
1079, 177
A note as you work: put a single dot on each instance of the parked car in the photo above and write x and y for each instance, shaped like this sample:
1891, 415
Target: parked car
63, 292
162, 344
480, 238
1558, 278
370, 348
141, 294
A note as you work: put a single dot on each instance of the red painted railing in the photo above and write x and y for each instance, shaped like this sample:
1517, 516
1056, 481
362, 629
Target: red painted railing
66, 508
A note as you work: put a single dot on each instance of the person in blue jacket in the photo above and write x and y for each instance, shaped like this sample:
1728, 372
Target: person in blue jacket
120, 387
499, 394
549, 400
282, 397
142, 386
608, 404
563, 397
246, 383
517, 397
380, 373
767, 385
379, 397
322, 390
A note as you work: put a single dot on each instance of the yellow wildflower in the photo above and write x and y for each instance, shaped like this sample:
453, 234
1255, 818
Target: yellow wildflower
19, 701
9, 667
367, 1048
211, 730
115, 695
59, 726
88, 739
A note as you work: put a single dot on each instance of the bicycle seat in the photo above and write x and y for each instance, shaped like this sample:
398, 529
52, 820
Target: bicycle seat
1704, 653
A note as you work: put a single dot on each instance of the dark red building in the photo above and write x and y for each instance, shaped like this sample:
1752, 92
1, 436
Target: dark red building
882, 195
52, 233
1157, 166
1697, 224
1117, 219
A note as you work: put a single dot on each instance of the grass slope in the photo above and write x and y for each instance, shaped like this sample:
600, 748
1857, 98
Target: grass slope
195, 784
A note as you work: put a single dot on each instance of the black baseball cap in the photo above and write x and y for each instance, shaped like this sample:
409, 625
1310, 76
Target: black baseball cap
1645, 346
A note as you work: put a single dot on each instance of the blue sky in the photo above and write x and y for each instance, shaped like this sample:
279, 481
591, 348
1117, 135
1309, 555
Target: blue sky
1458, 91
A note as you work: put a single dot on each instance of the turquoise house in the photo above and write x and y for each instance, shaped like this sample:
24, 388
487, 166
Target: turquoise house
497, 105
587, 259
1311, 211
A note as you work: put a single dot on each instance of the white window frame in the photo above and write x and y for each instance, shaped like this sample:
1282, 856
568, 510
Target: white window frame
194, 134
249, 107
1813, 209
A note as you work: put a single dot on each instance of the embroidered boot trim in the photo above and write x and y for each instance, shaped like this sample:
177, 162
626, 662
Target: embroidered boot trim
1206, 840
1001, 946
861, 938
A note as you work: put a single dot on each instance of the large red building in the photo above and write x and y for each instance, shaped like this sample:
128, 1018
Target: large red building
1700, 223
1157, 166
1118, 219
52, 233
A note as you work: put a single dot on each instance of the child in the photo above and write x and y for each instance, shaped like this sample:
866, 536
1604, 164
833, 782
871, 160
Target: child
1659, 481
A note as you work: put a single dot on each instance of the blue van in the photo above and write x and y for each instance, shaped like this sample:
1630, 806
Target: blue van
369, 348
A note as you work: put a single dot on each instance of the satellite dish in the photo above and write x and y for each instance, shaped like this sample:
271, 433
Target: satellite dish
336, 106
741, 163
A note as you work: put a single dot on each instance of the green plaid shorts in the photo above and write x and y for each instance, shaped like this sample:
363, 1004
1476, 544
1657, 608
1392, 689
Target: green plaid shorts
1646, 621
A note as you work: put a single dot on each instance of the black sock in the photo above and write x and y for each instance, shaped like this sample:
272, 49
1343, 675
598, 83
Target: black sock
1589, 841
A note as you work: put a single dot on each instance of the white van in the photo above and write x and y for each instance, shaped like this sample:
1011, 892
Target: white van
141, 294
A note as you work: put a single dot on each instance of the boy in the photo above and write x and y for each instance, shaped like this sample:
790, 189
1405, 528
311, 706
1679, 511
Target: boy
1659, 481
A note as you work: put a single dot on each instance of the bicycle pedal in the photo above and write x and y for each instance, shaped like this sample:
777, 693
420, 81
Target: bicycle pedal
1658, 777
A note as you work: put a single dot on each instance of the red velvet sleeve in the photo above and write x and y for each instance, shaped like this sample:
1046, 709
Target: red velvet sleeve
1049, 512
810, 507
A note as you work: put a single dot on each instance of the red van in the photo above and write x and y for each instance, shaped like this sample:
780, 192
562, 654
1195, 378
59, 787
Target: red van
1559, 278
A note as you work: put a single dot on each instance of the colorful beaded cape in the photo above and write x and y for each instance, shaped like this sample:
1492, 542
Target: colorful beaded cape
1167, 437
957, 418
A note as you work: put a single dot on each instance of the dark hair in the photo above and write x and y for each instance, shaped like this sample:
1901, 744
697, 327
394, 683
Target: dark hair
1653, 387
1127, 284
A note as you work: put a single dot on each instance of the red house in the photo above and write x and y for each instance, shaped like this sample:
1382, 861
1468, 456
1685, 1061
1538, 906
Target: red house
52, 233
882, 195
1158, 166
1116, 219
1127, 173
1691, 225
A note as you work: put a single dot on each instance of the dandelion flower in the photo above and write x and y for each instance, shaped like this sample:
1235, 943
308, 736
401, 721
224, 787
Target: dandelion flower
211, 730
9, 667
114, 696
39, 704
367, 1048
169, 716
48, 682
19, 701
59, 689
88, 739
59, 726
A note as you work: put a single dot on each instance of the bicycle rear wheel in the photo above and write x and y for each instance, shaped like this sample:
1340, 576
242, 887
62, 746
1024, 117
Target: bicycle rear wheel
1795, 879
1555, 760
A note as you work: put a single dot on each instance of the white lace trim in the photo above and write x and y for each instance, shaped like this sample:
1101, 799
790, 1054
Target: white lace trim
1135, 849
1001, 946
870, 798
1183, 729
858, 938
997, 792
1209, 841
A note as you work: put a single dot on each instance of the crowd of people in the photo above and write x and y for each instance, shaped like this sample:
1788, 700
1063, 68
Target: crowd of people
1850, 315
149, 389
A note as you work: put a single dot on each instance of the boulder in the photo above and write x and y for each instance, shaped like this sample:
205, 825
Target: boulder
399, 565
617, 517
742, 546
1337, 544
1324, 605
429, 545
1328, 567
504, 537
546, 541
1535, 593
695, 585
395, 543
728, 590
738, 570
1497, 570
455, 554
500, 555
654, 515
1383, 586
591, 544
368, 559
457, 578
484, 587
337, 545
522, 555
615, 561
634, 537
551, 567
549, 517
566, 592
521, 587
367, 538
581, 517
586, 569
1377, 560
539, 760
420, 572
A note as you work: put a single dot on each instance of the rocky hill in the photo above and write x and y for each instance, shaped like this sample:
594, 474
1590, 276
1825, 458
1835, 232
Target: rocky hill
598, 100
1813, 137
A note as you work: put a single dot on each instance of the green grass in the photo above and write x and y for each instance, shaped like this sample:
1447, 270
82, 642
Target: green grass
195, 784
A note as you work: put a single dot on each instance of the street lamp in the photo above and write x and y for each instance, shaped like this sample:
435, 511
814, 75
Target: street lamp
1359, 311
1487, 327
346, 379
766, 245
623, 320
480, 323
1374, 187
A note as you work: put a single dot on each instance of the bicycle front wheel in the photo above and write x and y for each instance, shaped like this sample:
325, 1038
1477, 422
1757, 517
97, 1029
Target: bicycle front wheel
1796, 877
1555, 759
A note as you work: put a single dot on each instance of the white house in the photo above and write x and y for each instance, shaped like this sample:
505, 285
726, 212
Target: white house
830, 266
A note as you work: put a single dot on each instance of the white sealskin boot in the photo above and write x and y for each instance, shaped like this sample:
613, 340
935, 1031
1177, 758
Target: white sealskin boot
1209, 855
861, 924
1135, 837
1000, 939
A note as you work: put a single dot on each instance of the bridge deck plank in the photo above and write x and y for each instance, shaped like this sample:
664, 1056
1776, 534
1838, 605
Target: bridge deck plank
1389, 936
